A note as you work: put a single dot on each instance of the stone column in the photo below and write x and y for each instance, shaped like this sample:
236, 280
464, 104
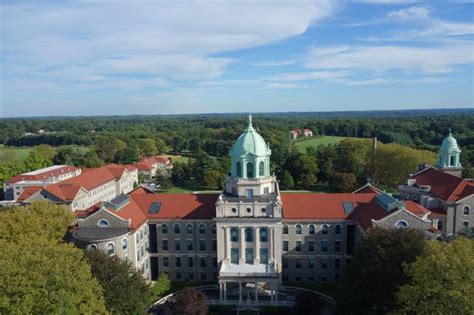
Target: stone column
242, 245
256, 293
240, 292
220, 291
271, 243
225, 291
228, 243
256, 244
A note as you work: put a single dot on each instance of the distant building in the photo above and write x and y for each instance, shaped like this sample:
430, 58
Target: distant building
87, 189
296, 133
150, 166
307, 133
14, 187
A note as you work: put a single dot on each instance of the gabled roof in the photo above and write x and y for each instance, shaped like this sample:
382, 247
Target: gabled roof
445, 186
43, 174
28, 192
148, 163
367, 189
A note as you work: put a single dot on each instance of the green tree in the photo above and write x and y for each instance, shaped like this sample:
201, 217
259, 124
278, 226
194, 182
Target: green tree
40, 156
129, 155
287, 180
213, 179
125, 290
39, 273
441, 280
44, 150
91, 159
161, 286
107, 147
371, 281
180, 173
8, 156
147, 147
161, 146
344, 182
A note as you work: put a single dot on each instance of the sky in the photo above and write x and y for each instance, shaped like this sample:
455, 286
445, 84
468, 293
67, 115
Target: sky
175, 57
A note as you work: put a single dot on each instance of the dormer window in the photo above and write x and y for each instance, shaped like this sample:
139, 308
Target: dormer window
465, 210
103, 222
402, 224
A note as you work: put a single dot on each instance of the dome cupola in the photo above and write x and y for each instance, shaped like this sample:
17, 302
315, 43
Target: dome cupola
449, 153
250, 154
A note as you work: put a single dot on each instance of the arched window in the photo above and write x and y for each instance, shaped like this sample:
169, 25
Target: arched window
248, 235
263, 235
202, 229
234, 234
311, 229
337, 229
249, 170
103, 222
213, 229
177, 228
189, 229
234, 210
298, 229
164, 229
124, 244
261, 169
325, 229
93, 246
110, 248
465, 210
401, 224
239, 169
285, 229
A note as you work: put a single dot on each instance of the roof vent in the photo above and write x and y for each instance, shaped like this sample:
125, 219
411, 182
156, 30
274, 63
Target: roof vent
154, 208
118, 202
348, 206
388, 202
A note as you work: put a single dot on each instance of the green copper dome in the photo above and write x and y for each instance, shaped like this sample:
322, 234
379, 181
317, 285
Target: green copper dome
250, 142
449, 153
250, 155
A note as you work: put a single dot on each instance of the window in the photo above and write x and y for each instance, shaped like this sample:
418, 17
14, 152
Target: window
249, 194
285, 229
234, 234
249, 256
325, 229
190, 276
285, 246
465, 210
337, 263
164, 229
324, 263
402, 224
164, 244
261, 170
249, 210
264, 210
263, 235
177, 262
234, 210
248, 235
214, 245
264, 256
177, 229
202, 229
311, 246
124, 244
213, 229
189, 229
202, 262
298, 277
311, 262
190, 262
266, 190
465, 224
324, 246
298, 246
202, 245
239, 169
249, 170
298, 263
234, 255
103, 222
190, 245
311, 229
337, 246
337, 277
178, 276
110, 249
177, 245
166, 262
298, 229
439, 226
285, 262
203, 276
452, 161
337, 229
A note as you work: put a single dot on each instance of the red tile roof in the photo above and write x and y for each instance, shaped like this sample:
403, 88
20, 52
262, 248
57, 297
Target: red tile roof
416, 208
367, 189
42, 175
444, 186
140, 190
148, 162
28, 192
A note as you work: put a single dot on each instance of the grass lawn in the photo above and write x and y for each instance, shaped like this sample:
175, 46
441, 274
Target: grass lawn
21, 152
189, 190
316, 141
177, 158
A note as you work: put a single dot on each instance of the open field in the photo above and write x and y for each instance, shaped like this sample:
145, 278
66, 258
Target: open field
316, 141
189, 190
20, 152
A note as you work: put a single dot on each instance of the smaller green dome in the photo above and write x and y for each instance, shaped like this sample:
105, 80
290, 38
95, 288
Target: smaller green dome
250, 142
449, 142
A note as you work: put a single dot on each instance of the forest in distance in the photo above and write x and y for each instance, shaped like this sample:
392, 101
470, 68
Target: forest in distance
406, 139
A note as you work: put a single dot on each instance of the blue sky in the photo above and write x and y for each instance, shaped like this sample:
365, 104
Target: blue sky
173, 57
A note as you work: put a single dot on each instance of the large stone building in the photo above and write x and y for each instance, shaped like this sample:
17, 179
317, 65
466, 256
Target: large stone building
251, 238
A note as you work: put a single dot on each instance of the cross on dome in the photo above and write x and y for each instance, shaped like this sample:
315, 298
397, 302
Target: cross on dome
250, 120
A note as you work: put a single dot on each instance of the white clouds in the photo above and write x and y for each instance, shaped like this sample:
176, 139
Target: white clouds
270, 63
409, 13
305, 76
174, 40
387, 58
